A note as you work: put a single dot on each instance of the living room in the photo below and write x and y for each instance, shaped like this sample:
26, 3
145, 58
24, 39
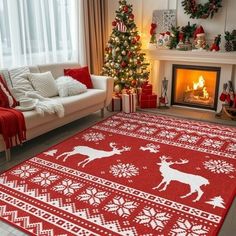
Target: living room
119, 72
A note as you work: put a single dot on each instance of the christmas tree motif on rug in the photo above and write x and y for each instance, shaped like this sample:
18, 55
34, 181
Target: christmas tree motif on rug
170, 174
92, 153
217, 202
124, 60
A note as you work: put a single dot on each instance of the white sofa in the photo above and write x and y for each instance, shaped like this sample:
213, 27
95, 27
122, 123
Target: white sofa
75, 106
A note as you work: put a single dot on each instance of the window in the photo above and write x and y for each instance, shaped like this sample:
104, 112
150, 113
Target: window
37, 32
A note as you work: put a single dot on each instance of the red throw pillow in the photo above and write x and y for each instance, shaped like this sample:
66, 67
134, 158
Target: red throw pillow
6, 98
80, 74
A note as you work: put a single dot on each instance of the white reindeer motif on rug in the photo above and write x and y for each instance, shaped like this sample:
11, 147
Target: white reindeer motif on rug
92, 153
170, 174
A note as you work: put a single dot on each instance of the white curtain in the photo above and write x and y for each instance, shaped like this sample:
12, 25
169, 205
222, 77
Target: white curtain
39, 31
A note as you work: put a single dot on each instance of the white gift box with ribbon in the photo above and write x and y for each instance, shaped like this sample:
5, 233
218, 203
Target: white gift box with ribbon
129, 102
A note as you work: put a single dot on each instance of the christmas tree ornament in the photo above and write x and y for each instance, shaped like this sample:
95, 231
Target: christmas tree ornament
197, 10
121, 27
117, 88
114, 23
131, 16
123, 52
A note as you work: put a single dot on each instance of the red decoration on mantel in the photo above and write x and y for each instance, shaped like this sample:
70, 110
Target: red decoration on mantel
131, 174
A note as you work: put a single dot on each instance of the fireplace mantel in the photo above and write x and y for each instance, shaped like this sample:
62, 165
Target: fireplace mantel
192, 56
162, 61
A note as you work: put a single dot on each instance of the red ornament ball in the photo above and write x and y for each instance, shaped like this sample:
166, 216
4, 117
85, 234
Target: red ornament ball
129, 54
125, 8
123, 64
131, 16
133, 41
137, 37
114, 23
133, 82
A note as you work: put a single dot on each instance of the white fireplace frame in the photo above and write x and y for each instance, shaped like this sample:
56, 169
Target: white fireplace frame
162, 60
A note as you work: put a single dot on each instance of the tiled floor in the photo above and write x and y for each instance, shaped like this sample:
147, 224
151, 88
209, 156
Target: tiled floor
43, 142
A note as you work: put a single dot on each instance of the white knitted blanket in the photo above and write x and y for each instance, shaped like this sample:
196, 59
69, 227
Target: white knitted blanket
47, 105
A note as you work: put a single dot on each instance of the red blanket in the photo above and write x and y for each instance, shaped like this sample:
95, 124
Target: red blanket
12, 126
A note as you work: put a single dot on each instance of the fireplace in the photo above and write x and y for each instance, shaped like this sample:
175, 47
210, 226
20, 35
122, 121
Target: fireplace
195, 86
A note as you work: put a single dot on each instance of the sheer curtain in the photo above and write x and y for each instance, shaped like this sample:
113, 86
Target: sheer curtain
38, 31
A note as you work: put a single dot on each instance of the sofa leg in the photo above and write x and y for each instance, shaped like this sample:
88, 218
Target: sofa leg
8, 154
102, 112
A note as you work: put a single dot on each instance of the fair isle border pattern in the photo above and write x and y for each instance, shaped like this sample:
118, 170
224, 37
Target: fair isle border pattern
180, 124
132, 191
167, 126
52, 218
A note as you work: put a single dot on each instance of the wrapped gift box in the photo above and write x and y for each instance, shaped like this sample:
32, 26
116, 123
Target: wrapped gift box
148, 100
147, 89
129, 102
116, 104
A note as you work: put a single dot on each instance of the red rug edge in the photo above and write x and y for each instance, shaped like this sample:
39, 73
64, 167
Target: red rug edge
226, 213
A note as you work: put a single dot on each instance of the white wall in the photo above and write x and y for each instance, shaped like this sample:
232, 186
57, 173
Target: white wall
225, 19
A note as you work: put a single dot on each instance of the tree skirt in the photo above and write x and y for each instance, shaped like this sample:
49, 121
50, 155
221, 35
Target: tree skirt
131, 174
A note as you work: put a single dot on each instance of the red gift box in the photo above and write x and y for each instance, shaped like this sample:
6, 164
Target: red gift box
148, 100
147, 89
116, 104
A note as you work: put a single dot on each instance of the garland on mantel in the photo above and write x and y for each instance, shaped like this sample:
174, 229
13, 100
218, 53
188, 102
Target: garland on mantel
202, 11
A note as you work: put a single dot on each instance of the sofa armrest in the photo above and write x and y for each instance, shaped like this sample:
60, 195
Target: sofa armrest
105, 83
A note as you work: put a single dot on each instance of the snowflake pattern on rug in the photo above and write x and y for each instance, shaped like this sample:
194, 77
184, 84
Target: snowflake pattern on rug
186, 228
124, 170
147, 130
67, 187
111, 123
167, 134
189, 138
45, 179
219, 166
24, 171
212, 143
128, 126
152, 218
232, 147
121, 206
93, 137
93, 196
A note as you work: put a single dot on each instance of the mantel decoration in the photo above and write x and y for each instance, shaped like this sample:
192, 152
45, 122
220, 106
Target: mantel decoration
203, 11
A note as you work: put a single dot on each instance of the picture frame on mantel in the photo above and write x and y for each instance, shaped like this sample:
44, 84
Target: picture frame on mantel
164, 19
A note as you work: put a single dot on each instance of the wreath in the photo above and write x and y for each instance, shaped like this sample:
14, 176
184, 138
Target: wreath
202, 11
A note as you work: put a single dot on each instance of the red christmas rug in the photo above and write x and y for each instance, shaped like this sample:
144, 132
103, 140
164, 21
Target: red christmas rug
131, 174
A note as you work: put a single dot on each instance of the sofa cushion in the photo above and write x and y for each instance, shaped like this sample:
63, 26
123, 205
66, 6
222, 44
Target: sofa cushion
67, 86
58, 68
44, 83
20, 82
80, 74
6, 98
71, 105
83, 100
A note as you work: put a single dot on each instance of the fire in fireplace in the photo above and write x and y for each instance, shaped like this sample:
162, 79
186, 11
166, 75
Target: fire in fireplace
195, 86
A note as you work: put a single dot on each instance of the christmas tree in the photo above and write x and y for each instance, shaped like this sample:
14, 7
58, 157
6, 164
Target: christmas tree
124, 60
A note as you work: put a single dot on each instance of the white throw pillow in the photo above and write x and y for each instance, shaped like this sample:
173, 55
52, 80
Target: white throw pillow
44, 83
67, 86
20, 82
